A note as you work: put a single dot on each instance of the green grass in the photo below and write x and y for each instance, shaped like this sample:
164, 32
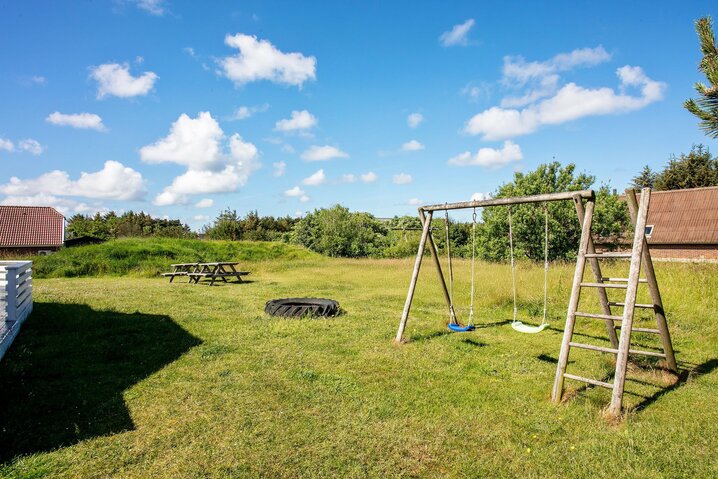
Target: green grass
136, 377
147, 257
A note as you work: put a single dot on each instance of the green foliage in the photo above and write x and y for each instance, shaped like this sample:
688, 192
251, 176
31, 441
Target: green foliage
611, 216
110, 225
706, 106
148, 257
645, 179
694, 170
229, 226
336, 231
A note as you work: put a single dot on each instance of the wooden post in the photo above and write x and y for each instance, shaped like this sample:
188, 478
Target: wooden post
573, 302
437, 263
414, 275
650, 273
624, 343
602, 296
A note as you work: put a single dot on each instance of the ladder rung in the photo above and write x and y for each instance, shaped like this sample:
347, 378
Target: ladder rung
595, 382
615, 351
623, 280
593, 348
645, 330
646, 353
637, 305
599, 316
603, 285
609, 254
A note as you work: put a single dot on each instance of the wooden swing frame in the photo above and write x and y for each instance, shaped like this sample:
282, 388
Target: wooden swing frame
426, 216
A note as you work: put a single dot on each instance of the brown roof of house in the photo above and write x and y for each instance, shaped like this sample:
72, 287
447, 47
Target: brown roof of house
30, 226
684, 216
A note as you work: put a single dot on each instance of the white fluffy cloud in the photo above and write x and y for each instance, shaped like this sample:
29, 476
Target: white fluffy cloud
369, 177
415, 202
300, 120
316, 179
214, 163
66, 206
153, 7
569, 103
349, 178
205, 203
323, 153
297, 192
458, 34
489, 157
200, 218
88, 121
27, 145
116, 80
414, 119
412, 145
260, 60
518, 70
31, 146
402, 179
280, 168
244, 112
114, 181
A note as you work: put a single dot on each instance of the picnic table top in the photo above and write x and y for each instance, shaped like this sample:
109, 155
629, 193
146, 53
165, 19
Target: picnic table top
215, 263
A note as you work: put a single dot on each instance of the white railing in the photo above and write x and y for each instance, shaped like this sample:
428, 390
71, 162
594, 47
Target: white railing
15, 299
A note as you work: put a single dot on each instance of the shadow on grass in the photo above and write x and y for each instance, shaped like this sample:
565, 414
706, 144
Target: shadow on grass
685, 374
62, 381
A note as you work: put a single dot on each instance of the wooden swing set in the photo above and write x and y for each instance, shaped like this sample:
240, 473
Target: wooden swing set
640, 258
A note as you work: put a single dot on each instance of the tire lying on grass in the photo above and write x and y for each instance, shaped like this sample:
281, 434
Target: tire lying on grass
299, 307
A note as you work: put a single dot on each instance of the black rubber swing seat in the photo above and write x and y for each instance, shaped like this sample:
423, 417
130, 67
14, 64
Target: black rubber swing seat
298, 307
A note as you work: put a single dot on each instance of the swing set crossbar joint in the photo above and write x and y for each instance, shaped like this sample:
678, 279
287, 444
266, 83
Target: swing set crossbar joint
516, 200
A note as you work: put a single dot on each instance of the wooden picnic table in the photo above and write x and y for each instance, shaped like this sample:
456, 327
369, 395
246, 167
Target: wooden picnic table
213, 271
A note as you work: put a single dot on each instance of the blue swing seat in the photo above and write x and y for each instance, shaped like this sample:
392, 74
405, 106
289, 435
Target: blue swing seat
457, 328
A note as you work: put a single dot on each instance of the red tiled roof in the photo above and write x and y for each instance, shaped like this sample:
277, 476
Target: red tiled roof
684, 216
30, 226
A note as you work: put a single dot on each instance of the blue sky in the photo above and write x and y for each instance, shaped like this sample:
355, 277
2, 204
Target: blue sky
182, 109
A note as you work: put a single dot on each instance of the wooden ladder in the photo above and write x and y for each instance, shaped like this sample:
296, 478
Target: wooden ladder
620, 346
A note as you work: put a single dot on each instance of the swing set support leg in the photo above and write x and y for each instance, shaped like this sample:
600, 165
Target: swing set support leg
414, 276
437, 263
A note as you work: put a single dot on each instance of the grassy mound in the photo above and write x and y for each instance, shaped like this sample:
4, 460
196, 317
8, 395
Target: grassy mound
148, 257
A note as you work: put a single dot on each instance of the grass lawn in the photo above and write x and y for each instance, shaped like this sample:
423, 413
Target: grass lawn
136, 377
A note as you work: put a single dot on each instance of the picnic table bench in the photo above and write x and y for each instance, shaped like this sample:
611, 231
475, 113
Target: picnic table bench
212, 271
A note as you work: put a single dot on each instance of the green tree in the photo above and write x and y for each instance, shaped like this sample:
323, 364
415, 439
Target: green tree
611, 216
226, 226
336, 231
694, 170
645, 179
706, 106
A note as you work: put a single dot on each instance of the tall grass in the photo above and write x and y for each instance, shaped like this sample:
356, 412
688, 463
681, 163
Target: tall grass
147, 257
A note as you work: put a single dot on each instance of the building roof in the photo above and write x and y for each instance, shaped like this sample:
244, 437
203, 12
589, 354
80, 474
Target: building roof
30, 226
684, 216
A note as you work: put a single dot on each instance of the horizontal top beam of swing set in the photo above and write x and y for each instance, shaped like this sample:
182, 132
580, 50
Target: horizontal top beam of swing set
516, 200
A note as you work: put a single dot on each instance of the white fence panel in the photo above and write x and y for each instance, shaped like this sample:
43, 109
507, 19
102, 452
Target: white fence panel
15, 299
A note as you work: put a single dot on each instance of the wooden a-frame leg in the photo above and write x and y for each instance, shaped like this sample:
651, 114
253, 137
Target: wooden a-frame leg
414, 275
650, 274
437, 263
634, 273
557, 392
602, 296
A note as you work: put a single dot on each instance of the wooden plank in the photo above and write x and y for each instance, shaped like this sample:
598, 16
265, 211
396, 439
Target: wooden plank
653, 289
595, 382
609, 255
592, 347
557, 391
603, 285
634, 273
623, 280
637, 305
609, 317
414, 277
563, 196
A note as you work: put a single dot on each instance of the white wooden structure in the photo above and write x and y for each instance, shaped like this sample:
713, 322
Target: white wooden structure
15, 299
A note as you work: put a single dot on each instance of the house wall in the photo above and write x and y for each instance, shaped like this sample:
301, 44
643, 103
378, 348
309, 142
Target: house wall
685, 252
21, 252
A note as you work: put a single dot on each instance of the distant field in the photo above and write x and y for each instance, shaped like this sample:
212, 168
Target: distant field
134, 377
